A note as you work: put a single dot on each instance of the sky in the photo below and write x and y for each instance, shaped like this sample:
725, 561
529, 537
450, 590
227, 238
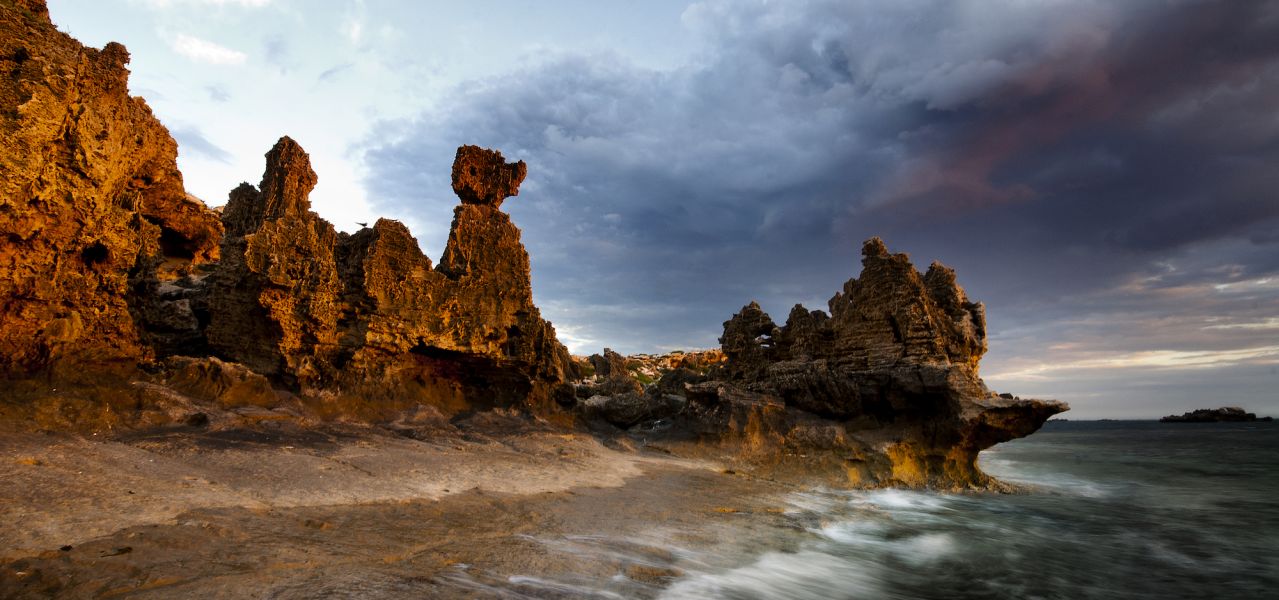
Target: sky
1103, 175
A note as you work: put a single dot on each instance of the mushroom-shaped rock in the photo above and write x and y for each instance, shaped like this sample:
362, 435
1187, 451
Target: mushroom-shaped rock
874, 247
482, 176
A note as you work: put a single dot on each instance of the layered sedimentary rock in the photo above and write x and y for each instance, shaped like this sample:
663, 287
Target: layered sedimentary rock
883, 390
365, 316
92, 205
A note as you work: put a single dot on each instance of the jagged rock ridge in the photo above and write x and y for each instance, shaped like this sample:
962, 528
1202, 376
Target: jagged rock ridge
121, 296
883, 390
366, 314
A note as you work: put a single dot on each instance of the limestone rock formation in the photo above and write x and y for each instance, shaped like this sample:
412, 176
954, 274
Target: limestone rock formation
365, 316
92, 205
882, 390
118, 288
274, 300
888, 381
480, 176
892, 336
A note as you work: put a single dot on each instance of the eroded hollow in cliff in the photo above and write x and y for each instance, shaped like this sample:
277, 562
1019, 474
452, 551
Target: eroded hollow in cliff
95, 254
176, 245
486, 383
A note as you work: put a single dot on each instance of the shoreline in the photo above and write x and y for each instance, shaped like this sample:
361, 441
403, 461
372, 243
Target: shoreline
185, 513
150, 477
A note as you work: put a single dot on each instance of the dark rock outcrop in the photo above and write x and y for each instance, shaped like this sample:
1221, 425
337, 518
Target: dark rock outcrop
1225, 414
882, 391
92, 207
610, 364
628, 409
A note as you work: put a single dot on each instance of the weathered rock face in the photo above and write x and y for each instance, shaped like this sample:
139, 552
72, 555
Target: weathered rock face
274, 300
365, 316
92, 205
892, 339
609, 364
882, 391
888, 383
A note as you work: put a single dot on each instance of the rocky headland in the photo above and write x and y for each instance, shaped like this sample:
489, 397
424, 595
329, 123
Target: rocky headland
1225, 414
129, 306
882, 390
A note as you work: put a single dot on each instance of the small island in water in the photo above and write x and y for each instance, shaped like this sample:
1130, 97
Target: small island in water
1225, 414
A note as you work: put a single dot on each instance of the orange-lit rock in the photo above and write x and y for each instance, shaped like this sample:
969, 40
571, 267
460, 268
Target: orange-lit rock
366, 316
92, 205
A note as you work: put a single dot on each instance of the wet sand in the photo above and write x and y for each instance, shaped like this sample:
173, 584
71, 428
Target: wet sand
533, 512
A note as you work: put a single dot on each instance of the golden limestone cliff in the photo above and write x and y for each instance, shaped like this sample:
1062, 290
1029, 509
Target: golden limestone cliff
365, 318
92, 205
124, 304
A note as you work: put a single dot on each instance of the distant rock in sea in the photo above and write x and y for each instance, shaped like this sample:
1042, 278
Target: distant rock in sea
1225, 414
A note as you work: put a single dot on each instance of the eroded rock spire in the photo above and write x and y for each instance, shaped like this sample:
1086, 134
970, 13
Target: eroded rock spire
284, 192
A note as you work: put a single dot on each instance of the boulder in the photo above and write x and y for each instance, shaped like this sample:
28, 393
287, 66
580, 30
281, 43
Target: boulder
629, 409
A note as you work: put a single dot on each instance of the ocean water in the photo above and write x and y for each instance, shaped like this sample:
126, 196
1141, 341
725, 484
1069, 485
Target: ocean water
1121, 509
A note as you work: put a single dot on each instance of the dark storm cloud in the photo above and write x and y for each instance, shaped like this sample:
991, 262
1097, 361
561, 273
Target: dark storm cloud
1074, 161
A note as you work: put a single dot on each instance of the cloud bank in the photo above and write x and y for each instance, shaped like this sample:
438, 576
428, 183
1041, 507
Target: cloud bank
1101, 174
